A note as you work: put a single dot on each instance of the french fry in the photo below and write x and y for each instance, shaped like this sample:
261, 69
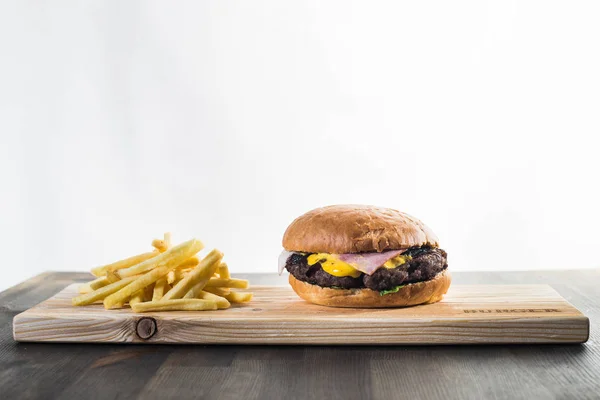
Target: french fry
221, 301
228, 283
189, 263
175, 276
205, 269
238, 297
223, 271
137, 297
221, 291
112, 277
171, 278
234, 297
159, 245
164, 244
98, 283
175, 305
218, 291
93, 285
85, 288
148, 292
195, 290
160, 288
102, 293
126, 263
182, 269
175, 255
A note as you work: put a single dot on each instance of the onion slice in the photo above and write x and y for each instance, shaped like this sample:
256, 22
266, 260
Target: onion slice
283, 257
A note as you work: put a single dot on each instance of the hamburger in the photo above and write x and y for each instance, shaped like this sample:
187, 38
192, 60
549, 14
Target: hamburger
363, 256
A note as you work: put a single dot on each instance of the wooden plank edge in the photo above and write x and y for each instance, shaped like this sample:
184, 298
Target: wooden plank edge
579, 328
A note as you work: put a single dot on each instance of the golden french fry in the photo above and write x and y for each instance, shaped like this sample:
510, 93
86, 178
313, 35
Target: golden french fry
148, 292
85, 288
171, 277
218, 291
195, 290
126, 263
223, 271
159, 245
175, 276
234, 297
137, 297
174, 256
164, 244
112, 277
93, 285
228, 283
178, 274
98, 283
221, 301
189, 263
160, 288
238, 297
102, 293
175, 305
202, 272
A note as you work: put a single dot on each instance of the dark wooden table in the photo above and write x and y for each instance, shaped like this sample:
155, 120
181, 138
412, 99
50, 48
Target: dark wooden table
46, 371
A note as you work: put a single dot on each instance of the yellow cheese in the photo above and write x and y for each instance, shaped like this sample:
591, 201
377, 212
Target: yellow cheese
332, 265
396, 261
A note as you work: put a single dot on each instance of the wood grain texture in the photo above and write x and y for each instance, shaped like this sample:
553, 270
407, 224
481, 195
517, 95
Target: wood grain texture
154, 371
469, 314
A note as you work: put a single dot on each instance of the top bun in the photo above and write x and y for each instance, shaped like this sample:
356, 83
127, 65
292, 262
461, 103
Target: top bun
351, 228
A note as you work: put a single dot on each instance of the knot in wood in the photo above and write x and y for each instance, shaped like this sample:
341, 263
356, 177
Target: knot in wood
145, 328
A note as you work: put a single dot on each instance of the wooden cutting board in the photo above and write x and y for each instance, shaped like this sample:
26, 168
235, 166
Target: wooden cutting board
469, 314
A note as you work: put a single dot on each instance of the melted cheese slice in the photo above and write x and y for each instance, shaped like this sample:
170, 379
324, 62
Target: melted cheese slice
396, 261
332, 265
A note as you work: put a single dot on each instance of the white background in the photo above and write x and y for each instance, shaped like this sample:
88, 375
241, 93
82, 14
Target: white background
225, 120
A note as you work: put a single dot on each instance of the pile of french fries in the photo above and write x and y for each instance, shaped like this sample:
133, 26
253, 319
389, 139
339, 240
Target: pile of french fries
170, 278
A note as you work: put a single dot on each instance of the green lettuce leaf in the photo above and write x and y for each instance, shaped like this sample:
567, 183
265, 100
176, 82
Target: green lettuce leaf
390, 291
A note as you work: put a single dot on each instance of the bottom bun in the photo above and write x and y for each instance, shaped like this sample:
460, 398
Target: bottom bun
430, 291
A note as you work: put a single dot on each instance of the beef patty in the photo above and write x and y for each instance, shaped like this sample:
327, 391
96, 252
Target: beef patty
423, 265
